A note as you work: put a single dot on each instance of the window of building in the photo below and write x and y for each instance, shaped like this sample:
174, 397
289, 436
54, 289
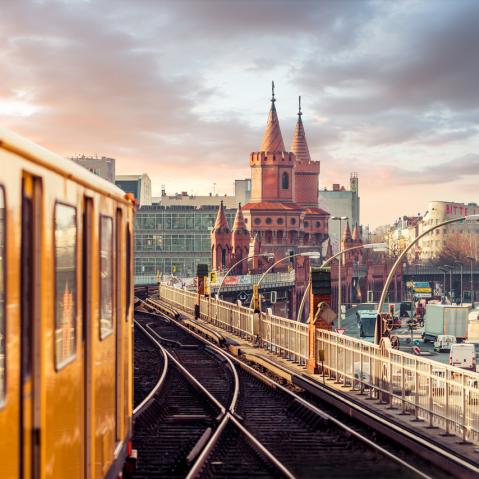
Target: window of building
279, 221
306, 224
106, 276
318, 224
2, 294
285, 181
65, 283
269, 221
257, 221
293, 221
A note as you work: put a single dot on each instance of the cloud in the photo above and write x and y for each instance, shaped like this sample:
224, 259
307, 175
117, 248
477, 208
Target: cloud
180, 88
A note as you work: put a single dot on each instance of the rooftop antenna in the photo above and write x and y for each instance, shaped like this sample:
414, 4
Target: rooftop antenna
299, 104
273, 99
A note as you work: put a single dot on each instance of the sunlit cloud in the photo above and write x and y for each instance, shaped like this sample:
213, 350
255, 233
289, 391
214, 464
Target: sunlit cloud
180, 89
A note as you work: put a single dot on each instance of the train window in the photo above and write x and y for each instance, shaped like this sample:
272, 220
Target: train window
128, 270
106, 276
65, 283
2, 295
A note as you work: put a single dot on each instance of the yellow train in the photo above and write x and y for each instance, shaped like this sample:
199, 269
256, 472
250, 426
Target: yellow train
65, 317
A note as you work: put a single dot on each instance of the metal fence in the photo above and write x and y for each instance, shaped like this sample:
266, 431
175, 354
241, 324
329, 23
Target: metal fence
444, 396
441, 395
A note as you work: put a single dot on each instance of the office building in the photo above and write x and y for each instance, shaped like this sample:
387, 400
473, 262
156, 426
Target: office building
138, 185
103, 166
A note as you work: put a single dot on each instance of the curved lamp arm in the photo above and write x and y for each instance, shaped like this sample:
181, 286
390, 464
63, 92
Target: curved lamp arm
329, 260
404, 253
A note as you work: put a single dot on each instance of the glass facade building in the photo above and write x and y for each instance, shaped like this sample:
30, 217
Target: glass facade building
174, 239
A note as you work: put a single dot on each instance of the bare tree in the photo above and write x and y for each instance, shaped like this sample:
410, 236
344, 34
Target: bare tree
458, 247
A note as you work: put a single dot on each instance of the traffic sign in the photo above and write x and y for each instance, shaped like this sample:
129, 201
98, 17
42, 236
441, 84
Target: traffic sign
416, 350
340, 330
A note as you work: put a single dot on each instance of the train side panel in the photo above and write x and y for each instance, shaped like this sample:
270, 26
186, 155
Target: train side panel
10, 372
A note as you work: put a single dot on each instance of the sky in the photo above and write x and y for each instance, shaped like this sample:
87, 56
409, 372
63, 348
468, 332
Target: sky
181, 89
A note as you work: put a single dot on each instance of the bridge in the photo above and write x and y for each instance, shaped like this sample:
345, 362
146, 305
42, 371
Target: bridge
421, 398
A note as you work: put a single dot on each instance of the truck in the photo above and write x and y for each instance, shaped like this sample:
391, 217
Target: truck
446, 319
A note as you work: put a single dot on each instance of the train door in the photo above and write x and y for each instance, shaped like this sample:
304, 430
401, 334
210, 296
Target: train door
127, 332
30, 328
119, 324
87, 256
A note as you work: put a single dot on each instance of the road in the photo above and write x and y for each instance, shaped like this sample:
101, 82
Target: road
406, 342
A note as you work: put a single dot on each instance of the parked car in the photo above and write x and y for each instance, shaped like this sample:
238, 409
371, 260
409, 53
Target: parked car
444, 342
463, 355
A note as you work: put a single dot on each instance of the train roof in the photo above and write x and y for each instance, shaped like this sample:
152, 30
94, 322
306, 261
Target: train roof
21, 146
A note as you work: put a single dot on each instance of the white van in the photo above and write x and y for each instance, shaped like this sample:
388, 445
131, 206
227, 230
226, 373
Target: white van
463, 355
444, 342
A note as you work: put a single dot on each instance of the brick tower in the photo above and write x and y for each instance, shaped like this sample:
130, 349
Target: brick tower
306, 184
221, 249
240, 242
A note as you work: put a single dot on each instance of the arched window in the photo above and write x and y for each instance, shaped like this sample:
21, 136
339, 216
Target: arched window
285, 181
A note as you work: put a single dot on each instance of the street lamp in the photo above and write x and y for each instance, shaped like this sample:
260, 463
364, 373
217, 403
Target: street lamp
458, 262
450, 268
265, 255
309, 254
374, 246
471, 259
340, 219
444, 271
404, 253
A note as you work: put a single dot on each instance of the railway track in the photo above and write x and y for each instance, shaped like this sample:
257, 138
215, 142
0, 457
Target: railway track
283, 434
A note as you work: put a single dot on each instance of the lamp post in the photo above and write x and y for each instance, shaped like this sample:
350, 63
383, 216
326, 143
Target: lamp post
450, 268
444, 271
309, 254
340, 219
459, 263
404, 253
375, 246
471, 259
265, 255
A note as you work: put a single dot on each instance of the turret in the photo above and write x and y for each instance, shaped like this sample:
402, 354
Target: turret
221, 242
240, 242
306, 171
272, 168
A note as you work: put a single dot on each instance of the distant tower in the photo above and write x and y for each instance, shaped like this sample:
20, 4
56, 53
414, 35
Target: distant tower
240, 242
329, 249
272, 177
306, 184
355, 207
347, 242
221, 242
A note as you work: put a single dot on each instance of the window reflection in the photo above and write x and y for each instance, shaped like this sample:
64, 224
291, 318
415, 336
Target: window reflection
65, 283
106, 276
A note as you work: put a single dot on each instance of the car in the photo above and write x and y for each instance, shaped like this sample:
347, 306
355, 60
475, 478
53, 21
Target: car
444, 342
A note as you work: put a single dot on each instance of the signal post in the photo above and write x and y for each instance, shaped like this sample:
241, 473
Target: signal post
201, 278
321, 316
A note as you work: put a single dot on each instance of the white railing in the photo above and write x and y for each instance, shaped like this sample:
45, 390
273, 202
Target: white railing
444, 396
439, 394
284, 337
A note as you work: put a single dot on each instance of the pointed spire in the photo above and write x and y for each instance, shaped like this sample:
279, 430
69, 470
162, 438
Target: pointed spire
329, 249
299, 146
347, 233
221, 221
272, 138
239, 224
356, 233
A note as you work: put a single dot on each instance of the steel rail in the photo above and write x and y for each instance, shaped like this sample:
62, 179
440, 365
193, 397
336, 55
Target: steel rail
307, 404
160, 382
451, 456
229, 414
